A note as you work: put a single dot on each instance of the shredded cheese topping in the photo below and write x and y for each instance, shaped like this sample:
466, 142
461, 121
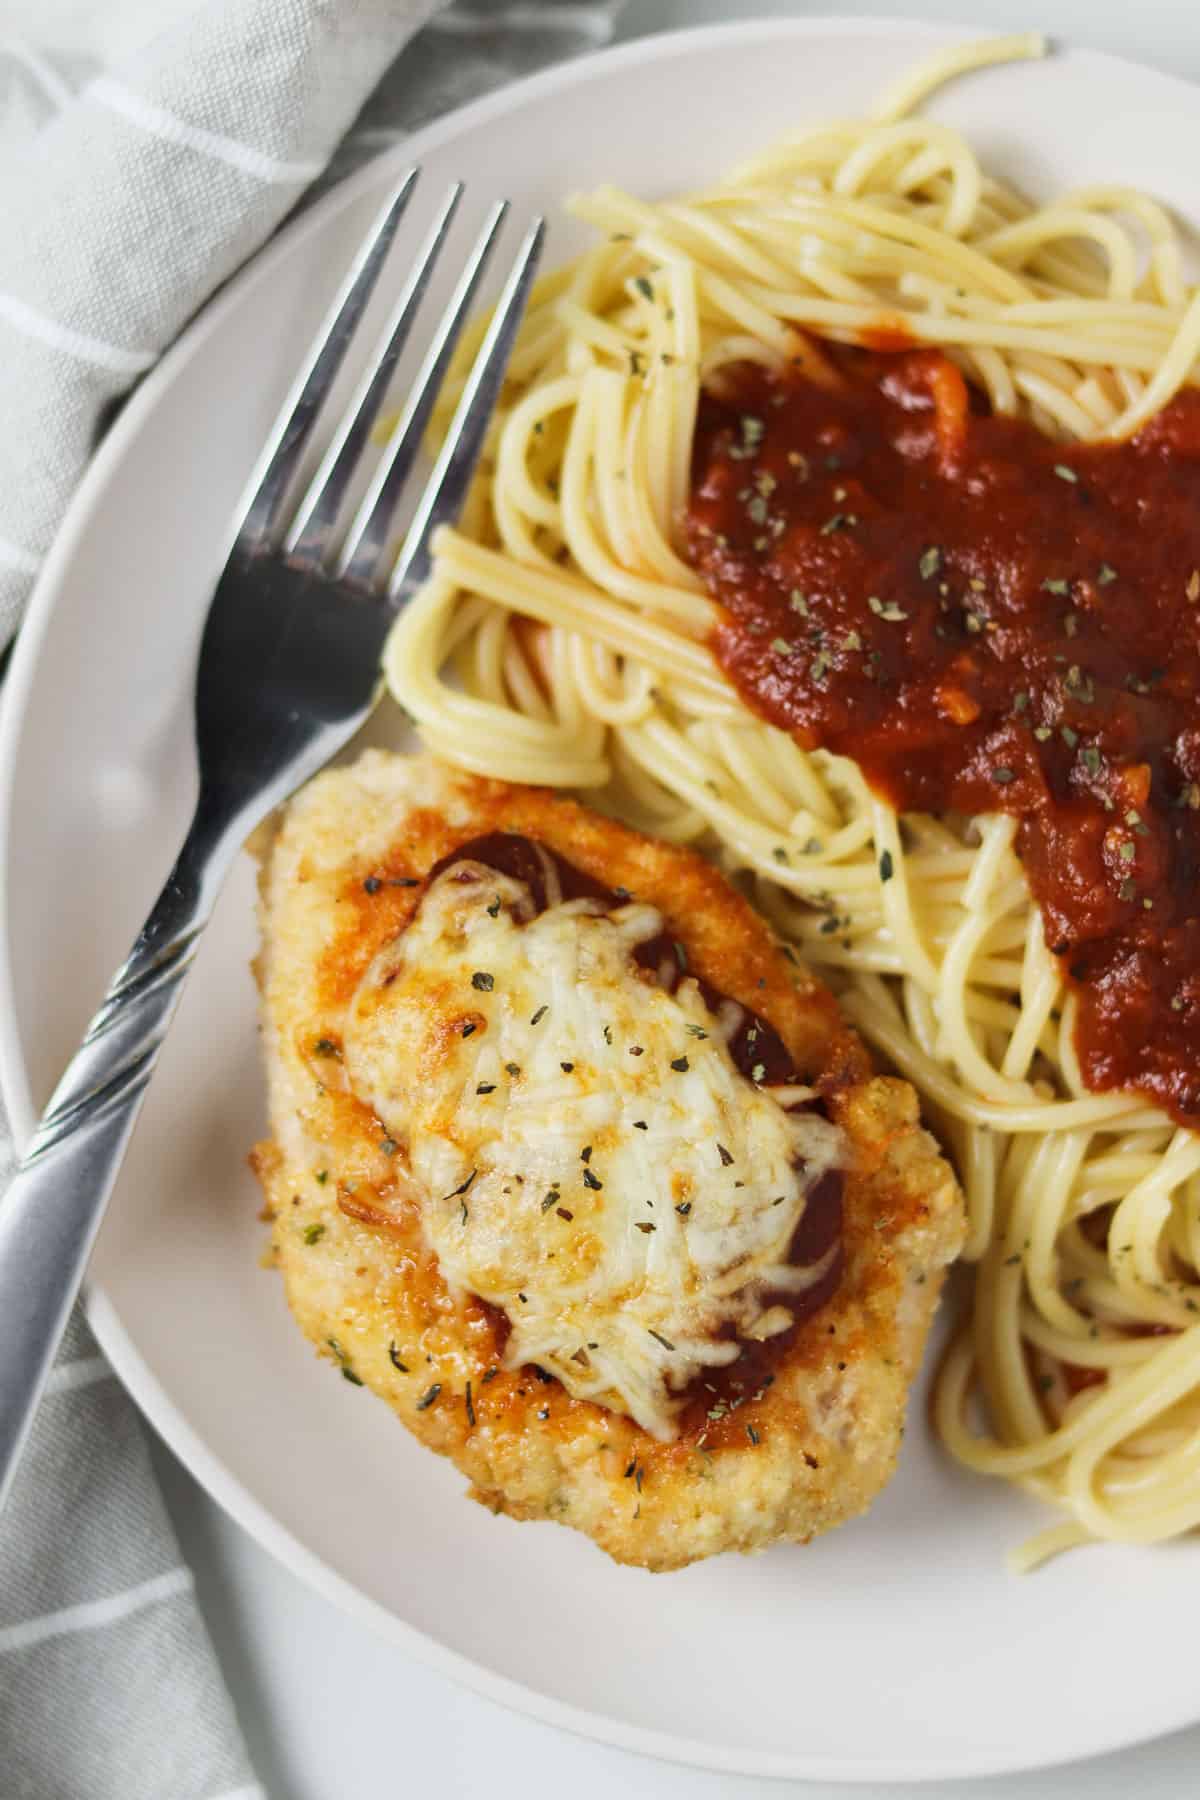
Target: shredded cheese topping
586, 1153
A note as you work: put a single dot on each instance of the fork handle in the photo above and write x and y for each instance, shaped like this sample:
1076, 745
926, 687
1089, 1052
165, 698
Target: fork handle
52, 1210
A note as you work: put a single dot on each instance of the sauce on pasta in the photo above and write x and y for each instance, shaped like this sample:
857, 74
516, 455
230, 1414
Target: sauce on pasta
986, 620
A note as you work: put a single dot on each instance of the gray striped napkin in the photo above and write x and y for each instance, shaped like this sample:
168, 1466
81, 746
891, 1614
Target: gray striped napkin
126, 197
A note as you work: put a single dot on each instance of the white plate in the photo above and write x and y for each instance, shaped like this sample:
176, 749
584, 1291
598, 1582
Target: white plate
896, 1648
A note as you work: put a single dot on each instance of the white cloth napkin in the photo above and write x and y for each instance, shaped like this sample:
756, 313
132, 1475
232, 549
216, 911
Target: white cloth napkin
126, 196
129, 207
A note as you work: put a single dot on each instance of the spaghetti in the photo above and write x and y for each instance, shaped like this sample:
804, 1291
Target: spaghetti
563, 639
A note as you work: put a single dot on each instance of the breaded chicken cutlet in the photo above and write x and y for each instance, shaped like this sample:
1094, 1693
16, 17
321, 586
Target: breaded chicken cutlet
581, 1171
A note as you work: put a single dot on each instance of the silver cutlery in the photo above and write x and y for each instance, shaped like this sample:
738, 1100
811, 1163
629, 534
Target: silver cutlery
288, 672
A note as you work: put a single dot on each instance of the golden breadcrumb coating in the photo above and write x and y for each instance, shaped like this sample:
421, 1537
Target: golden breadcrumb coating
812, 1436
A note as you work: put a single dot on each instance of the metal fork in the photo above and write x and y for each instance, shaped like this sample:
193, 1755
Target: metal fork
288, 672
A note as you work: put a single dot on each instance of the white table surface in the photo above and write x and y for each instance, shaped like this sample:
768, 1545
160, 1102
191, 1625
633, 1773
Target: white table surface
331, 1712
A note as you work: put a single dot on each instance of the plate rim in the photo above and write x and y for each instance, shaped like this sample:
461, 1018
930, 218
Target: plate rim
134, 1373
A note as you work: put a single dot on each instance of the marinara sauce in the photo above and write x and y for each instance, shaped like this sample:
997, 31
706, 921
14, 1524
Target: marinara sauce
986, 620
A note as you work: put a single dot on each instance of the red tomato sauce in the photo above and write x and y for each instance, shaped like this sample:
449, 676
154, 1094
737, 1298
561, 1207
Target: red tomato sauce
987, 621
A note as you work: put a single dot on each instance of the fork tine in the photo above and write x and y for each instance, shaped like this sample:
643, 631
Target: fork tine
446, 489
306, 540
290, 434
368, 533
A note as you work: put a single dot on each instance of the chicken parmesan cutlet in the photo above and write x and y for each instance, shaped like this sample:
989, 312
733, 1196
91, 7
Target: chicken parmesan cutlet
579, 1169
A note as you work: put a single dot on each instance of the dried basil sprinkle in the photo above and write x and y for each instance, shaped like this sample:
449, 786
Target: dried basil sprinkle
659, 1338
483, 981
886, 866
313, 1234
372, 884
592, 1181
394, 1358
470, 1407
429, 1396
888, 611
539, 1015
680, 1065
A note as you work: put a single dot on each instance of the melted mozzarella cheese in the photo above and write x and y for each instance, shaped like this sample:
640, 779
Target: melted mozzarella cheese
586, 1153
